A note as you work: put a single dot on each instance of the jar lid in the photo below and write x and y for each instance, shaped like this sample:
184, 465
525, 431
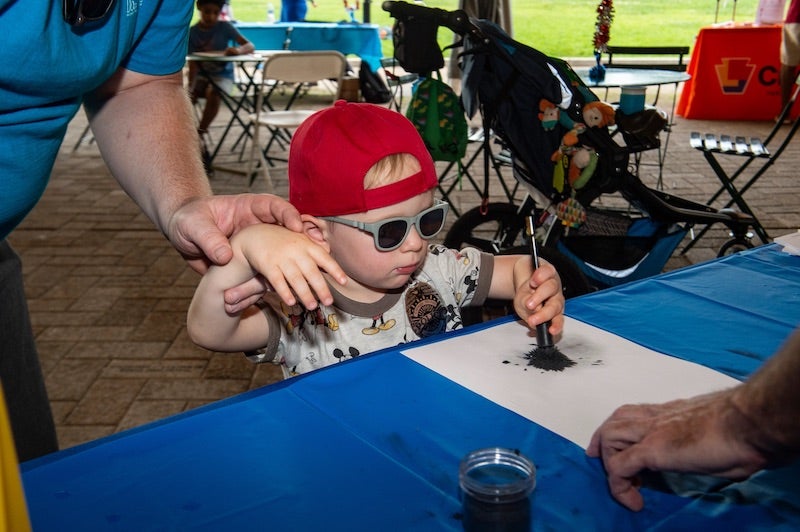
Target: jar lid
497, 474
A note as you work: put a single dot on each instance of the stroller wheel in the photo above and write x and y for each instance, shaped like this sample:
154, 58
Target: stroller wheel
734, 245
496, 231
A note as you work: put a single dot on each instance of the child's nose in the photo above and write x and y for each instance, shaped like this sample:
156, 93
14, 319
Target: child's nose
414, 240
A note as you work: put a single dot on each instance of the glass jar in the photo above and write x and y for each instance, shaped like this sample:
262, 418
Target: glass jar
496, 484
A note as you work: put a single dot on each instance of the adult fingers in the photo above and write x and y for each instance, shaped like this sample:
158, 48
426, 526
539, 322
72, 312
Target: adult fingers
626, 491
270, 209
242, 296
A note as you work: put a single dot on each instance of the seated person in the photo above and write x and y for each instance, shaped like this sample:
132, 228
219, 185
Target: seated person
210, 34
363, 181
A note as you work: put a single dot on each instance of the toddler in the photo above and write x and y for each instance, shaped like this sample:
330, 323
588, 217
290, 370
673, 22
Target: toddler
363, 181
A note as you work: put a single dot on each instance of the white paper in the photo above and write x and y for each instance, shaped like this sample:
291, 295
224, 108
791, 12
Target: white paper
790, 243
609, 372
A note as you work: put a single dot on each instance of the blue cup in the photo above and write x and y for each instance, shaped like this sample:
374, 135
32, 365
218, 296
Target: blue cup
632, 100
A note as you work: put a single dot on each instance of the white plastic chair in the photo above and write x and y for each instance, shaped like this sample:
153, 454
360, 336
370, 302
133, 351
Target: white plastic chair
285, 69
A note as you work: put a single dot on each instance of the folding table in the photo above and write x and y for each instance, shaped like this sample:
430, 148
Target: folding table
240, 102
634, 77
374, 443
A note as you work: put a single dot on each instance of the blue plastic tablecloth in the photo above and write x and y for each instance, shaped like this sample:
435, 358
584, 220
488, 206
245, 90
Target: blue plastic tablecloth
362, 40
375, 443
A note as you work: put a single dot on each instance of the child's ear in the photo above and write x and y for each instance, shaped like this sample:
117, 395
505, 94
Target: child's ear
316, 230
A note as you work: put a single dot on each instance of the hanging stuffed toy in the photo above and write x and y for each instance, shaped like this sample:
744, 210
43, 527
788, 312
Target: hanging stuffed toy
548, 114
579, 162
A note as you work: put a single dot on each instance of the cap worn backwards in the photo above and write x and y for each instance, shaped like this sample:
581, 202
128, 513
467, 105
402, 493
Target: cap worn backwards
333, 149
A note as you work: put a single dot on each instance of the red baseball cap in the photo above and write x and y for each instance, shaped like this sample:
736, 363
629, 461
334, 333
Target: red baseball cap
333, 149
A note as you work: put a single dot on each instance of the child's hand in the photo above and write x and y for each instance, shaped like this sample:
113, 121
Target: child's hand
233, 50
540, 298
290, 262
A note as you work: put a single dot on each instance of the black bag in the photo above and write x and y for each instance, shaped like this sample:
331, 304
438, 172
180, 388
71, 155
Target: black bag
373, 88
415, 45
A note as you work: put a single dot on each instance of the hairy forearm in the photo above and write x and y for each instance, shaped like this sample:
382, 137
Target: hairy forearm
769, 401
146, 134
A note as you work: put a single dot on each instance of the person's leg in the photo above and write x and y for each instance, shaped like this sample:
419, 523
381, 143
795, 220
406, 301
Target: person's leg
790, 59
211, 109
23, 383
787, 77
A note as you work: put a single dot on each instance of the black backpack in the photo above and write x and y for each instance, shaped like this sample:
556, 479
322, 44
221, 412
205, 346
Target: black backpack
372, 86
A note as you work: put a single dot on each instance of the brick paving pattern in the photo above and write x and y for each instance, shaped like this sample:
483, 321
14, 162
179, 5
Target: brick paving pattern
108, 295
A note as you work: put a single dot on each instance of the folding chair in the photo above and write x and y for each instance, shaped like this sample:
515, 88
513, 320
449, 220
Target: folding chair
497, 160
751, 149
297, 69
396, 78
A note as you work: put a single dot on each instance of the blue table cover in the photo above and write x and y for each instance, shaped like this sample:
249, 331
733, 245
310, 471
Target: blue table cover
375, 443
362, 40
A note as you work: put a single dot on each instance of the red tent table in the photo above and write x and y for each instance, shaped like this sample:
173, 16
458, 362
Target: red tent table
734, 74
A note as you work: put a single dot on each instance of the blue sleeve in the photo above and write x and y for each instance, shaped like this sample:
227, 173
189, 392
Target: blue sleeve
163, 45
231, 32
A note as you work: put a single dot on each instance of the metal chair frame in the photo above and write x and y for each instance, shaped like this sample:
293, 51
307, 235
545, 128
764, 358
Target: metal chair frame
752, 149
297, 70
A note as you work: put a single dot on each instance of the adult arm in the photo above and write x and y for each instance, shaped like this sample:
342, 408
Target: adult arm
731, 433
145, 130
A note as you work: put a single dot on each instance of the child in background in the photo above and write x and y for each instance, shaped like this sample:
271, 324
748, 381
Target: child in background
210, 34
363, 181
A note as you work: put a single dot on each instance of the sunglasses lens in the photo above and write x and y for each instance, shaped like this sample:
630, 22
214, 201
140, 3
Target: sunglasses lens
431, 222
77, 12
391, 234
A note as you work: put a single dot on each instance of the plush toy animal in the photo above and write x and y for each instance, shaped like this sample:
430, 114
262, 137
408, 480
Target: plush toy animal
582, 160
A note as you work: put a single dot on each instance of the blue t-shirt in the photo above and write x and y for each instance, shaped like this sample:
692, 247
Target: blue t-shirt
215, 39
46, 68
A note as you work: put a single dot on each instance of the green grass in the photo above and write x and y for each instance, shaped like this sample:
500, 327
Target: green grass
561, 28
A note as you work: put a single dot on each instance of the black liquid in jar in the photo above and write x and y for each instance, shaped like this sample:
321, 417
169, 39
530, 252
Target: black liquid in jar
496, 484
481, 516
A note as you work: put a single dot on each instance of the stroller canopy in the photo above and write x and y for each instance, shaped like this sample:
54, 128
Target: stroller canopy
506, 80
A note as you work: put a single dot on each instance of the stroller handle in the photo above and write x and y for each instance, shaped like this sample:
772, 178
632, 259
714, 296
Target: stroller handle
457, 21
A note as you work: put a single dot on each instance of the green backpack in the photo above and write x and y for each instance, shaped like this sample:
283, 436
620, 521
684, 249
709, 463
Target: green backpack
436, 112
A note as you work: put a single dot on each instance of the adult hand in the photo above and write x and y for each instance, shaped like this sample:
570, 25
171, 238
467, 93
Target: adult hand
705, 434
200, 229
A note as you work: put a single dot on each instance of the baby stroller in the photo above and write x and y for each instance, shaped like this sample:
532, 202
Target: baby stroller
600, 230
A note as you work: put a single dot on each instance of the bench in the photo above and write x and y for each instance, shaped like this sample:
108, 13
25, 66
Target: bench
648, 57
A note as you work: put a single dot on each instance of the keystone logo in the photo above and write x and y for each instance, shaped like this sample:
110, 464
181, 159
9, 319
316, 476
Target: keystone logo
734, 74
